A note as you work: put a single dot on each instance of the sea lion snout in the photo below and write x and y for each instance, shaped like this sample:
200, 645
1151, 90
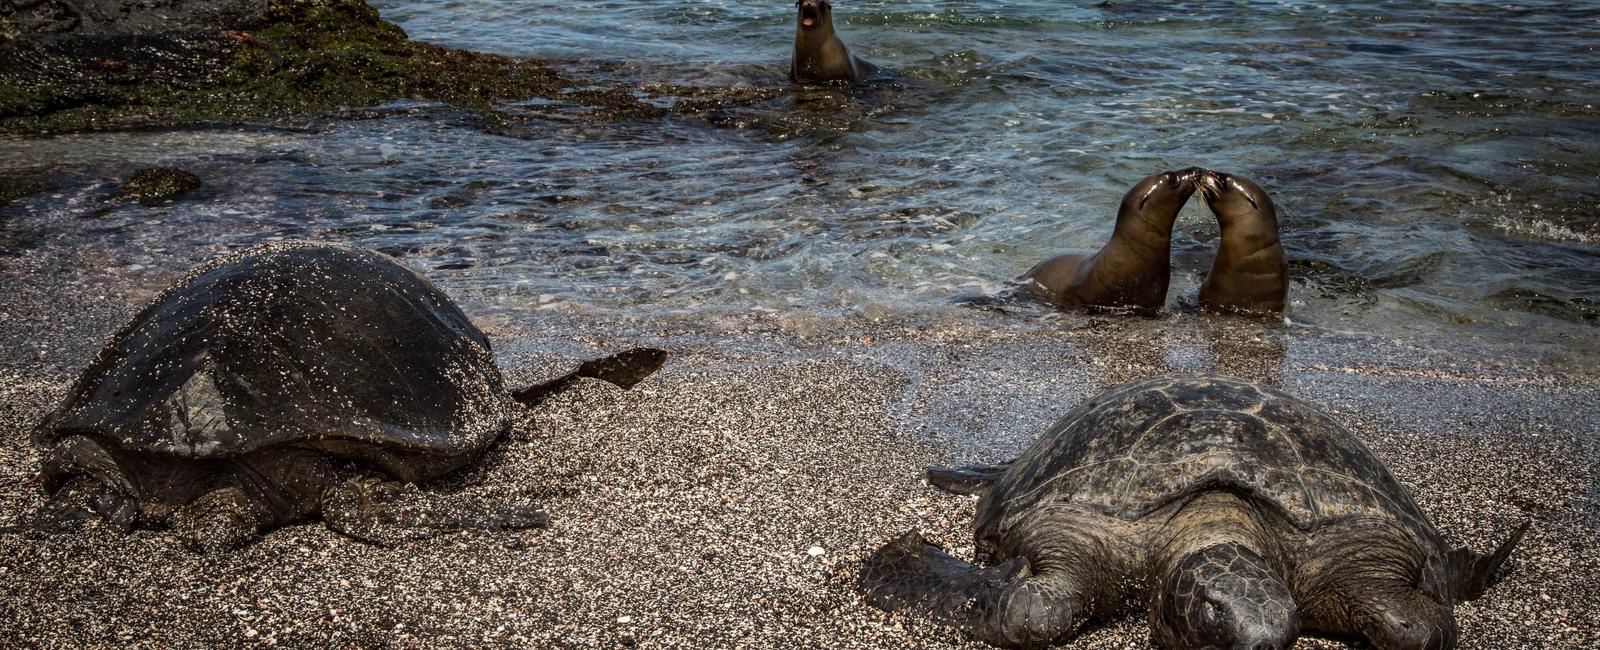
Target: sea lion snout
1183, 180
1226, 193
1164, 188
812, 12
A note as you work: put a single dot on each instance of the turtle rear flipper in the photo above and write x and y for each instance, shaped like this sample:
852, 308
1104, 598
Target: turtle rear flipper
390, 513
623, 369
970, 479
1471, 572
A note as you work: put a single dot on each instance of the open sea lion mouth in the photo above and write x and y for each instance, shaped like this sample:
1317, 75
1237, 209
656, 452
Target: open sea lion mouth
810, 13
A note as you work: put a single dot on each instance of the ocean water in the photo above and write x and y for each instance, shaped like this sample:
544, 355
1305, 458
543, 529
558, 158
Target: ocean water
1436, 165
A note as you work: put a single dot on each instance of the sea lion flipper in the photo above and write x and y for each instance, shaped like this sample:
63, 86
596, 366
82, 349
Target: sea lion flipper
864, 67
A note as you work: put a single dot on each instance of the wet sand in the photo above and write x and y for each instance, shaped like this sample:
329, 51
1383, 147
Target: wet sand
728, 500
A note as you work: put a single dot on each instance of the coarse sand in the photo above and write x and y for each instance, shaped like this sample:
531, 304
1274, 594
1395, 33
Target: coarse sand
728, 500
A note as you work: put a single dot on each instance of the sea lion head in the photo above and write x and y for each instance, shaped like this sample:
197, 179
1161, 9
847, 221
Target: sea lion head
1163, 193
815, 13
1232, 197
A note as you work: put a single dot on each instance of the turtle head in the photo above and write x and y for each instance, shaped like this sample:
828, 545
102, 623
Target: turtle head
1225, 596
83, 481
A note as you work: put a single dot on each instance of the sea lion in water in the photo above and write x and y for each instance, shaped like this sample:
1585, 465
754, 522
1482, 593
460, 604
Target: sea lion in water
1131, 270
1249, 274
819, 55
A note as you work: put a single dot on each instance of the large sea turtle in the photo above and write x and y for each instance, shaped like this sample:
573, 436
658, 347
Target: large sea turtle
1237, 514
283, 382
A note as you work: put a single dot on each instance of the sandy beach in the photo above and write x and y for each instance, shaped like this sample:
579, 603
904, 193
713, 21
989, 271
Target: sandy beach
729, 500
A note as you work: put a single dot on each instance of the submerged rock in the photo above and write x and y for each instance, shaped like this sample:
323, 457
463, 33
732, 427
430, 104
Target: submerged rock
159, 184
14, 185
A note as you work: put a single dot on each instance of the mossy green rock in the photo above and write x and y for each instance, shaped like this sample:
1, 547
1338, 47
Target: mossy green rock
15, 186
158, 185
257, 62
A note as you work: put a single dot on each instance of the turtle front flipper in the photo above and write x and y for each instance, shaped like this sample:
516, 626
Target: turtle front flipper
969, 479
390, 513
83, 480
623, 369
220, 520
1006, 605
1369, 578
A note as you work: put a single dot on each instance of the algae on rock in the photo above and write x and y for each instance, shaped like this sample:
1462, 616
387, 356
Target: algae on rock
276, 59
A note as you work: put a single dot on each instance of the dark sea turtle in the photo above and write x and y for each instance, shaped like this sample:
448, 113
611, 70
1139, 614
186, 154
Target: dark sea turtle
1237, 514
284, 382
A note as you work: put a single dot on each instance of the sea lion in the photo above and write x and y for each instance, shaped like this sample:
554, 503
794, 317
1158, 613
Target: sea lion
819, 55
1249, 274
1131, 271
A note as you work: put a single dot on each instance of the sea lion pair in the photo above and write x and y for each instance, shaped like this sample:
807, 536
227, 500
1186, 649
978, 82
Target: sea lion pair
1131, 271
819, 55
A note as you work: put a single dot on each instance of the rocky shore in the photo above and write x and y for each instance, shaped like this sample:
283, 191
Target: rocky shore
123, 64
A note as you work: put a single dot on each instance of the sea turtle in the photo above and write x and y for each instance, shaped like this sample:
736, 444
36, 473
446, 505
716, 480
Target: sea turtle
1236, 513
283, 382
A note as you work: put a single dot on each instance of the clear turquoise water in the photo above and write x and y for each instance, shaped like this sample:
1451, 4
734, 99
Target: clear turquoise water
1436, 165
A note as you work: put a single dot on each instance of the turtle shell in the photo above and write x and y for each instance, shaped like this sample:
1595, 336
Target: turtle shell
322, 345
1140, 446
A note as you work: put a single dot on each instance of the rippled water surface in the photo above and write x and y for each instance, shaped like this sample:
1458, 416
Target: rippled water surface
1436, 165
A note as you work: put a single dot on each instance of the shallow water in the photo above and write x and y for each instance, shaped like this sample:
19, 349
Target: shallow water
1435, 168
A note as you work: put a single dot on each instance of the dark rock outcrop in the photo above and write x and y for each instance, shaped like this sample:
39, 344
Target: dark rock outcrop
127, 17
114, 64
